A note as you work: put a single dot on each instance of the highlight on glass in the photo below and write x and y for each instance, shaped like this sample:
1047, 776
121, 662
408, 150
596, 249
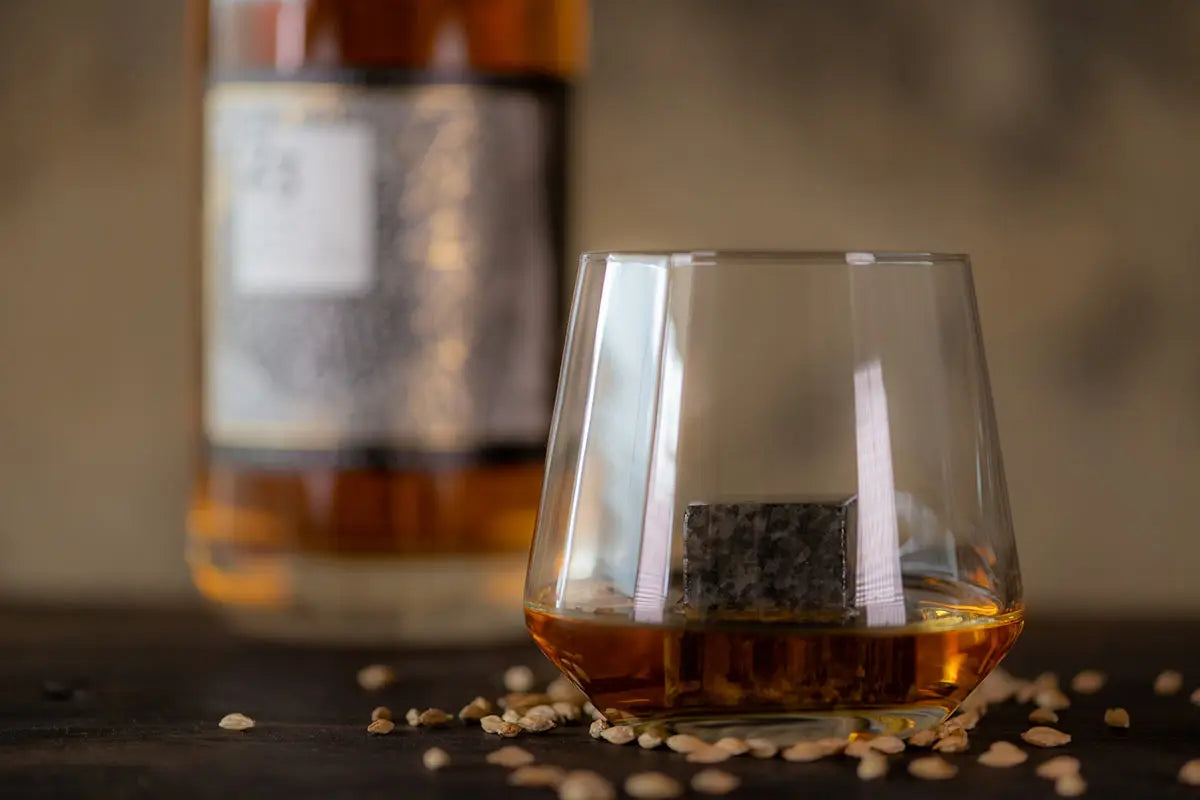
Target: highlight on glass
774, 503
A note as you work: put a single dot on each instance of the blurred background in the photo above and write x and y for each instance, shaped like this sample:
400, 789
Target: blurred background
1054, 141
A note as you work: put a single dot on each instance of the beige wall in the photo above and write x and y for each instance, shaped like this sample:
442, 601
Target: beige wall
1054, 141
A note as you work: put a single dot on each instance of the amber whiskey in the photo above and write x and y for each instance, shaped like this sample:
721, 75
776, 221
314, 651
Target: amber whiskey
384, 186
732, 672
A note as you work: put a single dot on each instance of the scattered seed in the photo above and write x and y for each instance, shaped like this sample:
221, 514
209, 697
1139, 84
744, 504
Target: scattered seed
925, 738
1003, 754
536, 724
1169, 681
477, 709
1043, 716
715, 781
709, 754
376, 676
561, 690
590, 709
969, 719
887, 744
381, 712
413, 717
236, 722
494, 724
1195, 698
734, 745
1025, 692
518, 679
833, 745
1052, 699
583, 784
597, 727
954, 742
1046, 680
1046, 737
543, 712
537, 775
435, 758
521, 702
652, 786
762, 748
510, 756
858, 748
434, 718
381, 727
1089, 681
807, 751
618, 734
511, 715
1071, 785
872, 765
1058, 766
1116, 718
1189, 773
565, 711
932, 768
650, 739
998, 687
685, 743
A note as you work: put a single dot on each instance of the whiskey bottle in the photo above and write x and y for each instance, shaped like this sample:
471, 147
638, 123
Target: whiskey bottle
383, 195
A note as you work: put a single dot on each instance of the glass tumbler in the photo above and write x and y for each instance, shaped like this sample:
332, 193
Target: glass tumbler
774, 503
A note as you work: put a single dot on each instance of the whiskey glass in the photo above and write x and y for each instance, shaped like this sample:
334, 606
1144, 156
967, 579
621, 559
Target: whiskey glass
774, 503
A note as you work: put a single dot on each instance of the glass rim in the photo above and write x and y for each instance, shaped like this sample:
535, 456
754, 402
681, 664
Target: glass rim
691, 258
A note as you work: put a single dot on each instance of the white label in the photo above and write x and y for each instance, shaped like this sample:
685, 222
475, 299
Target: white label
303, 219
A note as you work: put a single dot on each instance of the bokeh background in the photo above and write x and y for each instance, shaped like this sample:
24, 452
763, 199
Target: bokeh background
1057, 141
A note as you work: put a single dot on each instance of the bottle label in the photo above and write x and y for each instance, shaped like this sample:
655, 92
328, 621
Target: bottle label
381, 271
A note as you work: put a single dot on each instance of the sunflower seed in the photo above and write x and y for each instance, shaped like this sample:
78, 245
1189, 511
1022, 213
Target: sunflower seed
236, 722
872, 765
518, 679
374, 677
685, 743
762, 748
381, 727
493, 724
434, 718
715, 781
539, 775
997, 687
590, 709
565, 711
1189, 773
932, 768
734, 745
618, 734
381, 712
1089, 681
1046, 680
1116, 718
858, 748
1046, 737
1058, 766
807, 751
597, 727
969, 719
1025, 692
1043, 716
652, 786
521, 702
510, 756
709, 754
477, 709
536, 724
887, 744
1195, 698
925, 738
413, 717
435, 758
511, 715
561, 690
1003, 754
650, 740
583, 784
954, 742
1053, 699
1169, 681
1071, 785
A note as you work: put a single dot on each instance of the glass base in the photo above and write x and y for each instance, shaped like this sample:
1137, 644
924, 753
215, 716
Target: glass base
788, 729
374, 601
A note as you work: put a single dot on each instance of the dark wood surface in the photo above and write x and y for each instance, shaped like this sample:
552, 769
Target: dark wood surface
133, 702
